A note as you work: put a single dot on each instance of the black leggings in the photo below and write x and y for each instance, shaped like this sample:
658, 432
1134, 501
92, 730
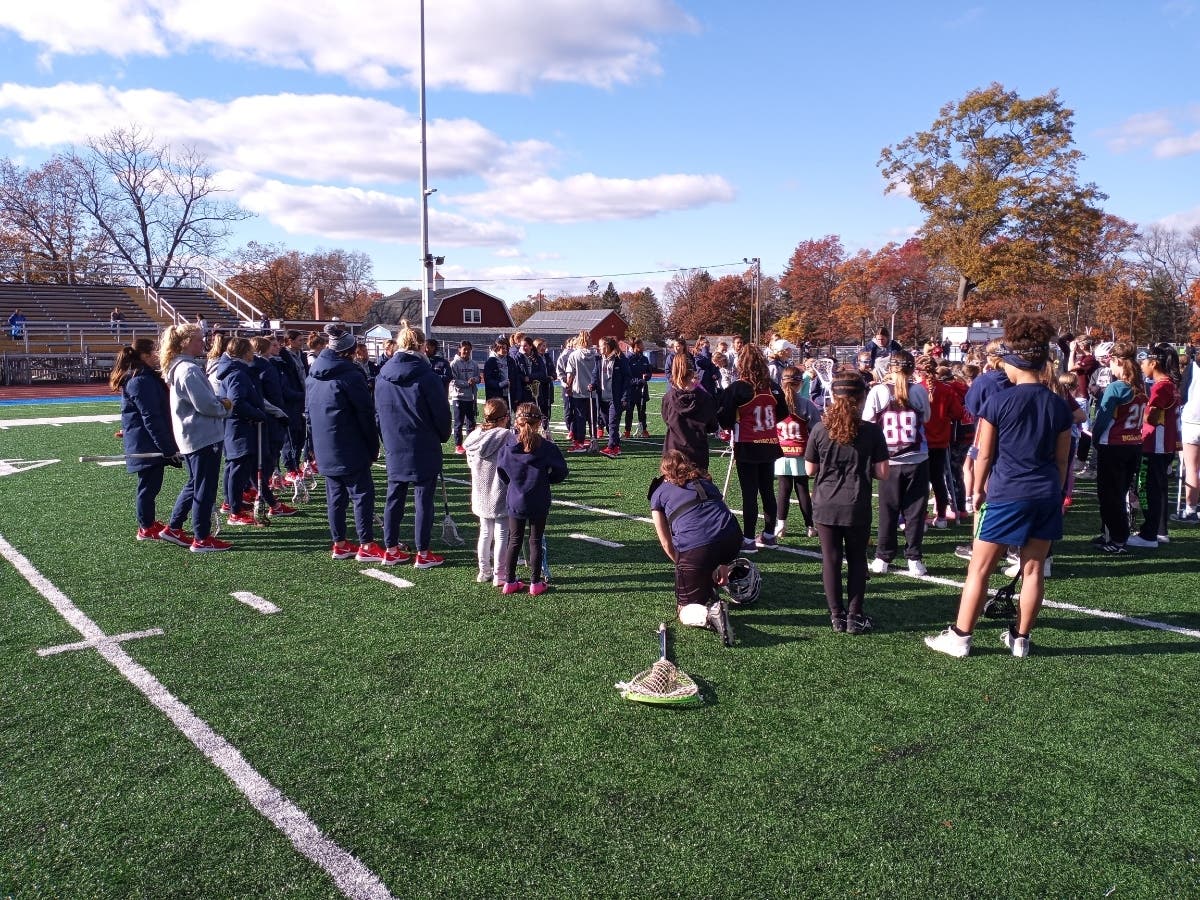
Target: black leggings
1157, 495
640, 406
757, 480
516, 536
1116, 471
783, 496
937, 476
850, 541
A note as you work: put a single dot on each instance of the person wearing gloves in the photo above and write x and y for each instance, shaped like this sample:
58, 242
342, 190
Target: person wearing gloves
414, 421
346, 442
198, 425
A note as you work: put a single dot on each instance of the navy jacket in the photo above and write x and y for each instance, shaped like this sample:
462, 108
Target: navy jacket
546, 391
495, 372
414, 416
272, 391
239, 384
290, 383
533, 369
708, 373
517, 392
441, 368
640, 372
146, 419
529, 476
339, 407
620, 378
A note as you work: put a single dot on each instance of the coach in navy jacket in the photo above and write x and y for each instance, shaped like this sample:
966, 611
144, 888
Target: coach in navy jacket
345, 442
414, 419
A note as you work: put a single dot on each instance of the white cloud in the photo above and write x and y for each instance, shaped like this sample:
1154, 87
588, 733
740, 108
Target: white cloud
352, 213
590, 198
509, 253
1138, 130
1178, 146
1182, 221
502, 45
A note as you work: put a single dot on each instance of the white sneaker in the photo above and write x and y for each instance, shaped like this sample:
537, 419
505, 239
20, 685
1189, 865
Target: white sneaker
948, 642
879, 566
483, 577
970, 507
811, 531
1136, 540
941, 523
1164, 539
1013, 570
917, 568
780, 528
1018, 645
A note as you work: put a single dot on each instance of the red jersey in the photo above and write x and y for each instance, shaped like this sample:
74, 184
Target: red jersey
1160, 432
793, 435
945, 408
756, 421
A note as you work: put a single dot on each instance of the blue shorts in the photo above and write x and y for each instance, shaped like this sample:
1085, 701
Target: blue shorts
1019, 521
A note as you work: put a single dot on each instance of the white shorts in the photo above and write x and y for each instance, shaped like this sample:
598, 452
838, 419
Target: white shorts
1189, 432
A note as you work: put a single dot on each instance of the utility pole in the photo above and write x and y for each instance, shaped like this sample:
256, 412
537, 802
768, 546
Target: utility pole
755, 301
426, 259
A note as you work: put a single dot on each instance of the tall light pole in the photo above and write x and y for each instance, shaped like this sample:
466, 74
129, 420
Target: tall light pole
426, 259
755, 305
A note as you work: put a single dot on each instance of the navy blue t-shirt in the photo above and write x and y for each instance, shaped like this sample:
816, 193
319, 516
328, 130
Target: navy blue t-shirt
983, 387
703, 524
1028, 419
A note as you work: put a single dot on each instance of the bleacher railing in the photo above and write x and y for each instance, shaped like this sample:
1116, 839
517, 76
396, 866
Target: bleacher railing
243, 308
164, 308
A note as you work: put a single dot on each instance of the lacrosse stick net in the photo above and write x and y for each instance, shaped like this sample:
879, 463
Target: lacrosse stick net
1001, 605
663, 684
823, 368
450, 535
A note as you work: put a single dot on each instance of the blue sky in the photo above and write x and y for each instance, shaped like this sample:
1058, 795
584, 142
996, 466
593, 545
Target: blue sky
577, 137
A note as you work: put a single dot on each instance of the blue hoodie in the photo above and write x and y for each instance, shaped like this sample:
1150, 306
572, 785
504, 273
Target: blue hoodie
338, 403
238, 384
529, 476
146, 419
414, 416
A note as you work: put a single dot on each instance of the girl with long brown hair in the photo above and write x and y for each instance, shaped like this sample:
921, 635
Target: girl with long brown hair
528, 464
750, 408
842, 455
689, 413
1117, 434
793, 430
1160, 439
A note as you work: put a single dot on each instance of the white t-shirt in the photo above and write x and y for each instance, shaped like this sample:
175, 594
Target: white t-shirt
901, 427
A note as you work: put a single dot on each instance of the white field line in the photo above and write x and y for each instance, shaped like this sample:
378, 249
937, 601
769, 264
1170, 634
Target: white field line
352, 878
58, 421
388, 578
92, 644
266, 607
595, 540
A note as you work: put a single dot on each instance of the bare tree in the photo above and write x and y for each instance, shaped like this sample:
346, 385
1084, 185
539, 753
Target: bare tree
161, 209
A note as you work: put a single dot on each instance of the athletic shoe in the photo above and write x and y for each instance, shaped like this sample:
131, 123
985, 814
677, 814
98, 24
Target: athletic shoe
780, 528
723, 436
1164, 538
119, 433
1188, 515
1013, 570
1012, 555
810, 531
718, 620
241, 519
153, 533
370, 553
1113, 549
292, 477
210, 545
538, 588
481, 578
427, 559
580, 447
766, 540
859, 624
950, 642
226, 509
393, 556
249, 495
611, 452
643, 433
941, 522
917, 568
512, 587
459, 449
1136, 540
176, 536
282, 510
951, 516
878, 566
626, 435
837, 623
498, 580
749, 546
1100, 540
1018, 645
344, 550
963, 551
1085, 472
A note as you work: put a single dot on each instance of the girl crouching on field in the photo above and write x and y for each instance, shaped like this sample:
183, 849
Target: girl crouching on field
528, 464
842, 455
483, 446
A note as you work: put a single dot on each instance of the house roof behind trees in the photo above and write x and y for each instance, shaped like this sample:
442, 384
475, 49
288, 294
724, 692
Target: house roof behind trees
565, 320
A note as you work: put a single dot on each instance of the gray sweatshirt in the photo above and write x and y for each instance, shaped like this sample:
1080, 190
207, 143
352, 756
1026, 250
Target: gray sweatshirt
197, 416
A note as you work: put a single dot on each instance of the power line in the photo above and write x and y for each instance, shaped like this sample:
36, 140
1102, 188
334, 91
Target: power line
560, 277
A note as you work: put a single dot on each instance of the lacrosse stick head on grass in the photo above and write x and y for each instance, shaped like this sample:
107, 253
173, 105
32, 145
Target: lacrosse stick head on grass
450, 535
663, 684
1001, 605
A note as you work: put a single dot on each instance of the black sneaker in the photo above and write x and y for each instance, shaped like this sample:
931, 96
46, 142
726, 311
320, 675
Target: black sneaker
838, 623
1112, 548
963, 551
718, 621
859, 624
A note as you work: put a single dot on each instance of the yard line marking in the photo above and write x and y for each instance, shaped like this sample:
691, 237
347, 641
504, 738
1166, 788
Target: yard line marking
92, 644
255, 602
57, 420
352, 878
595, 540
388, 577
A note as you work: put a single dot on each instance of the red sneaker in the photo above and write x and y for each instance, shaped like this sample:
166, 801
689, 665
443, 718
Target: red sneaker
459, 449
396, 555
345, 550
427, 559
153, 533
282, 509
241, 519
249, 495
370, 553
225, 509
292, 477
176, 536
627, 434
579, 447
210, 545
611, 452
599, 432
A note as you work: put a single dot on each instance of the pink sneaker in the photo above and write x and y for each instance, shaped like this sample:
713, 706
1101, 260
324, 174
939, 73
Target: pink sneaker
512, 587
459, 449
345, 550
371, 553
538, 588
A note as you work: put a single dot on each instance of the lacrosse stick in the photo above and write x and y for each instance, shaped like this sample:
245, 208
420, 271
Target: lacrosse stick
260, 502
823, 369
594, 414
663, 684
214, 527
120, 457
729, 470
450, 535
1001, 605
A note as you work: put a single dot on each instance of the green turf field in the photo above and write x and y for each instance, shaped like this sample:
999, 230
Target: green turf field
463, 744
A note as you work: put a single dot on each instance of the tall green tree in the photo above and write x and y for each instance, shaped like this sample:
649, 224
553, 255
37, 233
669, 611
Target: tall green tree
645, 317
610, 299
995, 176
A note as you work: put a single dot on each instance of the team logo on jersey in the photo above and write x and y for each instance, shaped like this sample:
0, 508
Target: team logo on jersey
16, 466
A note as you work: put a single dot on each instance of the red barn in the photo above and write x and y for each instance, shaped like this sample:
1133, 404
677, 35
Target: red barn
461, 313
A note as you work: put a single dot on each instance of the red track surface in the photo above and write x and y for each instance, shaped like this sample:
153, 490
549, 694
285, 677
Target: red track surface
50, 391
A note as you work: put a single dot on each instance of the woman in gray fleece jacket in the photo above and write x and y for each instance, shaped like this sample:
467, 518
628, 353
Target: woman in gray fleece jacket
487, 490
198, 421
